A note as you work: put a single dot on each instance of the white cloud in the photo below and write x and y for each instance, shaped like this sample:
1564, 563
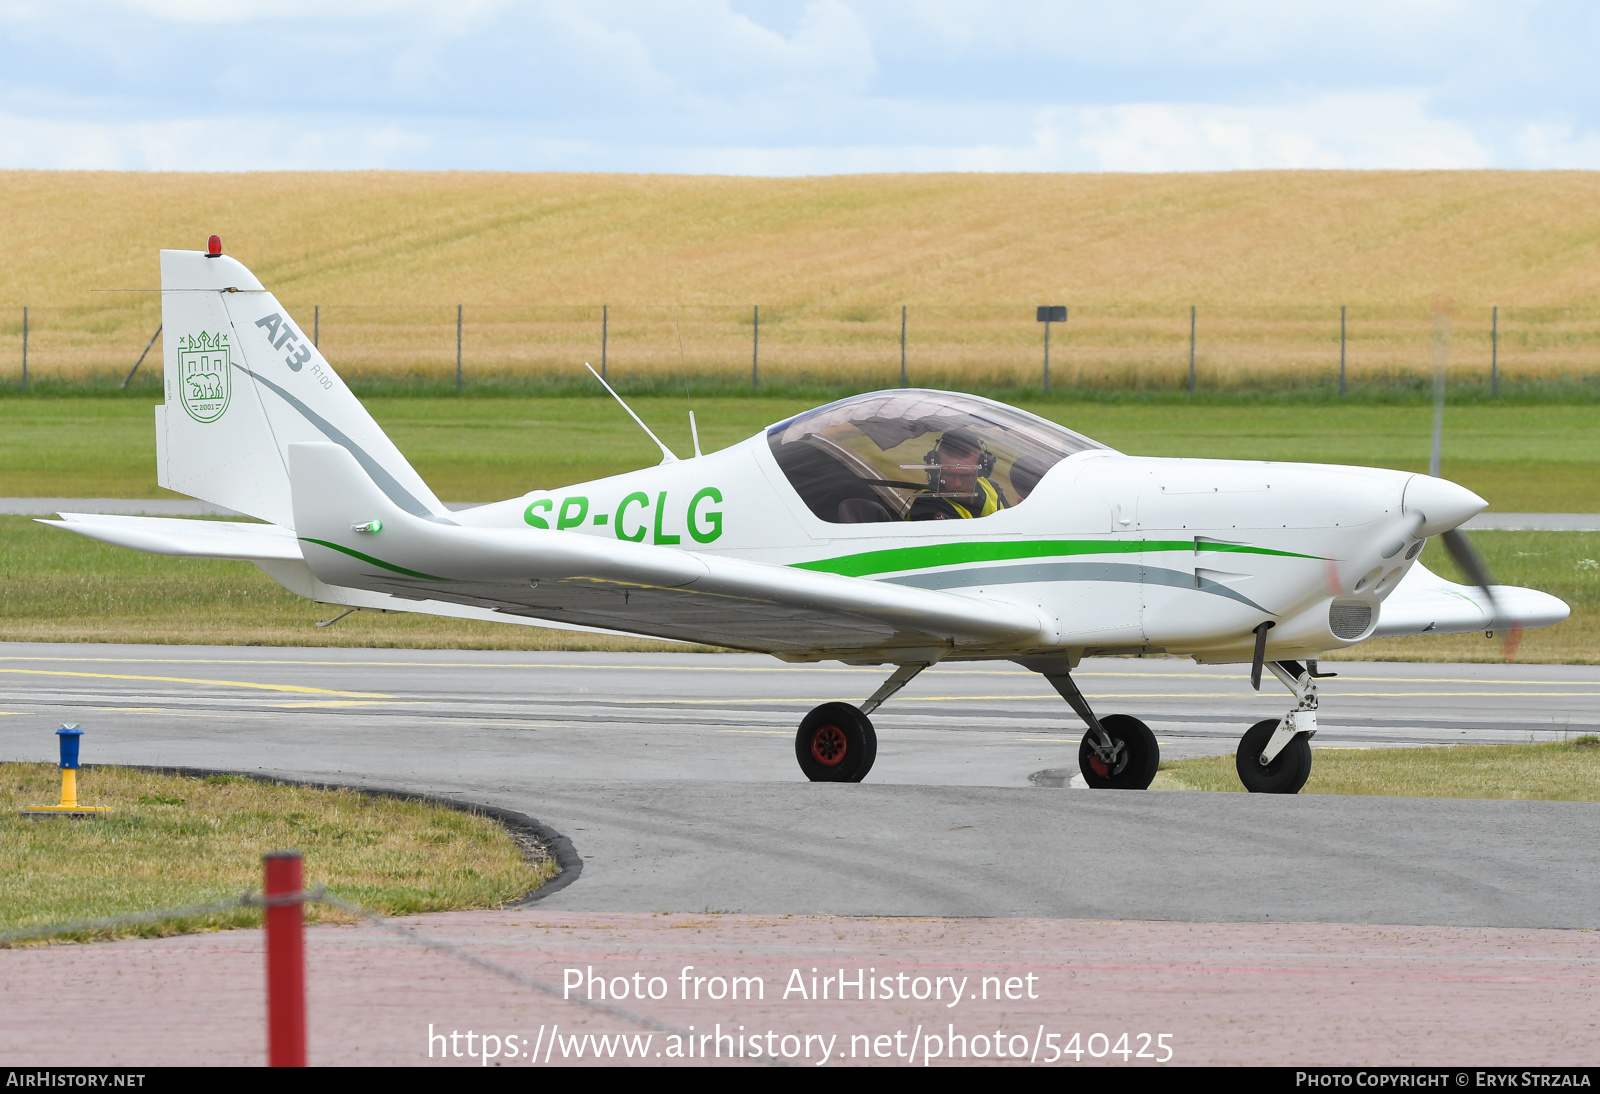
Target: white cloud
797, 86
1558, 145
201, 144
1378, 130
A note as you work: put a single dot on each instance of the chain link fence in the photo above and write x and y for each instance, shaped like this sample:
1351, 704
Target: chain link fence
1099, 347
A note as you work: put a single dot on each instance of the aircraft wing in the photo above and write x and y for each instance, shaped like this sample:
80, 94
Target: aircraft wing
572, 578
1425, 603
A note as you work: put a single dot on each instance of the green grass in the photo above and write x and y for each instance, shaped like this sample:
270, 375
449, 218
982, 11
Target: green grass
58, 587
1554, 771
1522, 457
1526, 457
175, 841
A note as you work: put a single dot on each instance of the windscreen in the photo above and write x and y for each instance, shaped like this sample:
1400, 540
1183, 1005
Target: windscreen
914, 454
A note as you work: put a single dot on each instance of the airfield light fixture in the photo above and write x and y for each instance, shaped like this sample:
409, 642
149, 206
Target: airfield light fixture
214, 247
70, 736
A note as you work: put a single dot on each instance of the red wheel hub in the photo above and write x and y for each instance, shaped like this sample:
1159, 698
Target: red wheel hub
1099, 766
828, 745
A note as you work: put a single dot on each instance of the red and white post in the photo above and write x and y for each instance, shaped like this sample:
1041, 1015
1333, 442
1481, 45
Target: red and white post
286, 960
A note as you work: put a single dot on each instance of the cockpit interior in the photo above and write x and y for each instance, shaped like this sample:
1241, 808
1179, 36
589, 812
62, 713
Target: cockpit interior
870, 458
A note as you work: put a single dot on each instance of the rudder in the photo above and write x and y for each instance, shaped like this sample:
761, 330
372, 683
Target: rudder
243, 382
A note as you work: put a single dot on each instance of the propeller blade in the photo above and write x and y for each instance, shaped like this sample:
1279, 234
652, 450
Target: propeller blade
1466, 556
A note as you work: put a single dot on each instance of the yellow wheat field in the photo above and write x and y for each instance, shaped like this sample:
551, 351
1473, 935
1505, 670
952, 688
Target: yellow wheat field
380, 261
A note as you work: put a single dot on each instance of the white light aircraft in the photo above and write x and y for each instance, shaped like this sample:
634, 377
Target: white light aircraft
899, 528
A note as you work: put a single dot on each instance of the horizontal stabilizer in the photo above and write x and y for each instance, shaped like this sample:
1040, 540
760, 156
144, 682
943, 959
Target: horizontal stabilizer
182, 538
1425, 603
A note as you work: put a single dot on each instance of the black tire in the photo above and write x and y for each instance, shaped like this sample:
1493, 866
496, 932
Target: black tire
1287, 772
1136, 765
836, 744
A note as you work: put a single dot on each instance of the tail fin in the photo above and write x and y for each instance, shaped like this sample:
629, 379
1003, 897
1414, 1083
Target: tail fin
243, 382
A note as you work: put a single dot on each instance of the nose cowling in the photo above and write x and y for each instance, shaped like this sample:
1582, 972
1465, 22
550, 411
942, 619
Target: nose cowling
1440, 504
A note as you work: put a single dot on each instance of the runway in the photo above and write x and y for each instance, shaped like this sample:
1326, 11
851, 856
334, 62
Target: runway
674, 776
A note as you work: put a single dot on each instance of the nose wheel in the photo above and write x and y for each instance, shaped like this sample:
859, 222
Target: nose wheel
1285, 773
1274, 756
836, 744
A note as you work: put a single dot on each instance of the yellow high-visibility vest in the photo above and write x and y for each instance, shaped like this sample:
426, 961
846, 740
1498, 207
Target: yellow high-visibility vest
991, 501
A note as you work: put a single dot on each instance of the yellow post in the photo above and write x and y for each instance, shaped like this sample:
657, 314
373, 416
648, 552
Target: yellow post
69, 788
68, 806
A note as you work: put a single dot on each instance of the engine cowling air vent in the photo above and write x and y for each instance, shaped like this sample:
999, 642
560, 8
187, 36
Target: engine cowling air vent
1349, 619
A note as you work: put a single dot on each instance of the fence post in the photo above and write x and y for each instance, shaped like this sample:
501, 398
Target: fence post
755, 345
126, 380
1494, 353
902, 345
316, 325
1341, 351
24, 349
1191, 349
458, 347
1047, 314
605, 323
1441, 380
286, 961
1047, 356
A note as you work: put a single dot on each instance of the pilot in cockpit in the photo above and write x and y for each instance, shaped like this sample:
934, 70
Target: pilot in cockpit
958, 484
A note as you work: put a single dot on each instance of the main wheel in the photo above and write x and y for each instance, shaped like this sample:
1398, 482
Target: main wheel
1287, 772
836, 744
1134, 765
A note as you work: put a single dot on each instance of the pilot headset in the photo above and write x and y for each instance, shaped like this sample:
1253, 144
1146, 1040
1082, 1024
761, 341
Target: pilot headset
985, 458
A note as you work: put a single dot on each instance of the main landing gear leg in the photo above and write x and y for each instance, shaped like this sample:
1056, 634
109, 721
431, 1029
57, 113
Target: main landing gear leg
1119, 752
1274, 755
836, 743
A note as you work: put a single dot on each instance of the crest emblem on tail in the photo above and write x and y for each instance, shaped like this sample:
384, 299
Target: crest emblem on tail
204, 375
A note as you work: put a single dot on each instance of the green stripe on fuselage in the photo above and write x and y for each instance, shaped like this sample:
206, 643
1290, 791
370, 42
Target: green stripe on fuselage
374, 561
897, 559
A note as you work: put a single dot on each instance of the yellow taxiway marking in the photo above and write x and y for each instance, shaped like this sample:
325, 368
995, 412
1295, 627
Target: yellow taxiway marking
850, 670
1469, 694
759, 732
171, 713
732, 701
186, 680
870, 671
357, 703
526, 725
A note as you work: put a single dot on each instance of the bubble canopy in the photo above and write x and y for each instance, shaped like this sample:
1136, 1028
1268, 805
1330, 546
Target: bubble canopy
867, 458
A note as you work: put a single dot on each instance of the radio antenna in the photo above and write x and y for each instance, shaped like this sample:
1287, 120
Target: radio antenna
683, 367
666, 453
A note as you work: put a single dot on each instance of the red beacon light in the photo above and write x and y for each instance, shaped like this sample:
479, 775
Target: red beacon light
214, 247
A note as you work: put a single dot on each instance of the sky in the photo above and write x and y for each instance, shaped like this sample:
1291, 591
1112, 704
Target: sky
797, 87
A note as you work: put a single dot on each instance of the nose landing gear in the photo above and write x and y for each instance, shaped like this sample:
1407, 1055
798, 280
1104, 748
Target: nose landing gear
1274, 756
1284, 773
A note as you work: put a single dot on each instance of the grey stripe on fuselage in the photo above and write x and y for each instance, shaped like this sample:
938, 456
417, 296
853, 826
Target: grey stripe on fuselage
375, 470
973, 577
